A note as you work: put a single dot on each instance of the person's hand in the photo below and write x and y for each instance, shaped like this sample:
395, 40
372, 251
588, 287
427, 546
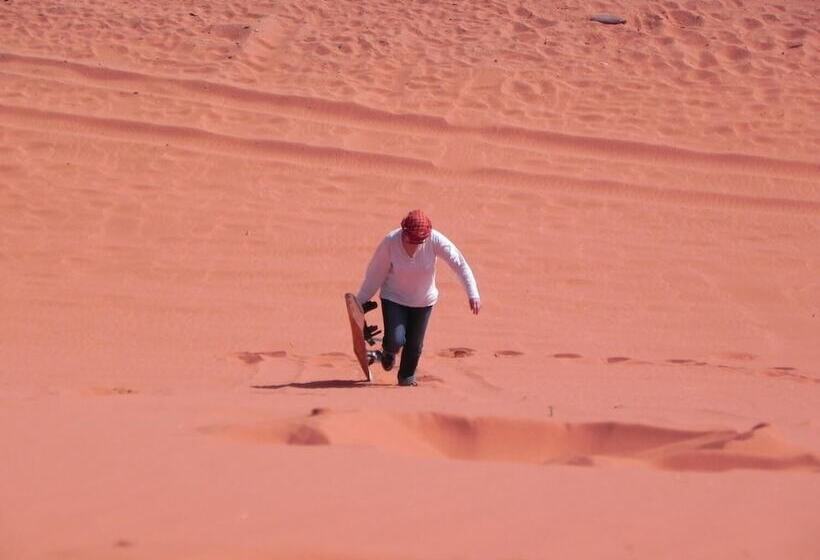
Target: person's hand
475, 305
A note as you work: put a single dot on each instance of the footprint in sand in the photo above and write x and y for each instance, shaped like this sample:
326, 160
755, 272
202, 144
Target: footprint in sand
789, 373
109, 391
458, 352
507, 353
567, 356
327, 359
685, 362
617, 359
251, 358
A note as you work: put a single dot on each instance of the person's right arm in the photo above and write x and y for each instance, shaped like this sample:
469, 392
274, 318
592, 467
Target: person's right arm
376, 272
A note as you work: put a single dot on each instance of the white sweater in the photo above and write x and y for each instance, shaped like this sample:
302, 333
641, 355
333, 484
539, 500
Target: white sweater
411, 281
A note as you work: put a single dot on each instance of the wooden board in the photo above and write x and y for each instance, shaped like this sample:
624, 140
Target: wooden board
356, 316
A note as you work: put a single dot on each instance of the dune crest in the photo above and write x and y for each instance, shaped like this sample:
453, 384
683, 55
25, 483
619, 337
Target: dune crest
536, 442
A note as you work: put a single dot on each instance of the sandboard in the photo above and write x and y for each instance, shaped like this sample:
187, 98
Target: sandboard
356, 316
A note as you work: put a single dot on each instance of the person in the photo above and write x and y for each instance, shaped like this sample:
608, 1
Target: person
403, 270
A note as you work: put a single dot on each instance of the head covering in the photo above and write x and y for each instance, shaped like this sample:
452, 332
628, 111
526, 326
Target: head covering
416, 227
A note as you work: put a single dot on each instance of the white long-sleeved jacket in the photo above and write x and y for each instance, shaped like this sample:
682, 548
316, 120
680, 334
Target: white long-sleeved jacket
411, 281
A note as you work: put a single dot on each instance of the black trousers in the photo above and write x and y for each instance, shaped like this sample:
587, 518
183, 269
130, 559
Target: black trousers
404, 327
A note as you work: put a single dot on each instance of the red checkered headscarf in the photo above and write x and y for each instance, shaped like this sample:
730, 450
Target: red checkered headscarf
416, 227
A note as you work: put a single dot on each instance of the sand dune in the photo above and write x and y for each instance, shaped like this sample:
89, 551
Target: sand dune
187, 190
528, 441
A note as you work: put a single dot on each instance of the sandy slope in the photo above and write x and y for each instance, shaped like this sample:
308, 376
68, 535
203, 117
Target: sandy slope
187, 190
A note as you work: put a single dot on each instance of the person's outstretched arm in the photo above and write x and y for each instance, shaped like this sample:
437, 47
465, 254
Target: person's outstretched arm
447, 250
376, 273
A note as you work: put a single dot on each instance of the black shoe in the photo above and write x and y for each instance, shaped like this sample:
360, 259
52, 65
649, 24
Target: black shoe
388, 361
408, 381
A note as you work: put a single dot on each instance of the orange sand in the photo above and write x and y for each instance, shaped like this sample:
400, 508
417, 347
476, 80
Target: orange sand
188, 188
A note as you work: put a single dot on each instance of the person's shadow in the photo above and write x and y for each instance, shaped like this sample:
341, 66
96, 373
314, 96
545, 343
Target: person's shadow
326, 384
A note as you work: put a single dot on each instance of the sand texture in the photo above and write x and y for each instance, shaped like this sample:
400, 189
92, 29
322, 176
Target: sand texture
187, 189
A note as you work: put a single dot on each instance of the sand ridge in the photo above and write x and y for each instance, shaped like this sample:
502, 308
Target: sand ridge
528, 441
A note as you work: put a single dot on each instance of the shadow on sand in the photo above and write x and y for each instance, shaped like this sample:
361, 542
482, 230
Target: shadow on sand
326, 384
